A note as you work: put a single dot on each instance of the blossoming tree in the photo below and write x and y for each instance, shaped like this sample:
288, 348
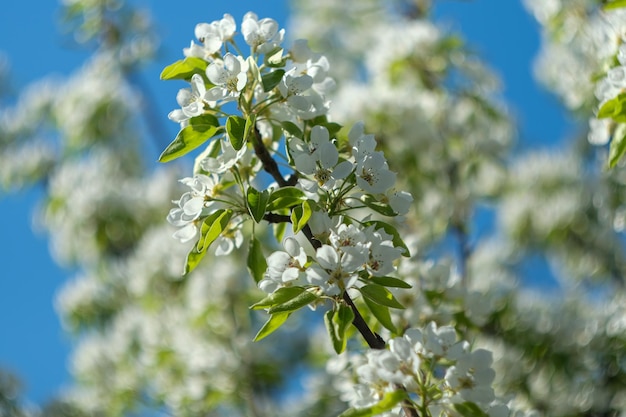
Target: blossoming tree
326, 235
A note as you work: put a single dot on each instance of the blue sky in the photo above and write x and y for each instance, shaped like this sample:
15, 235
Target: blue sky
32, 342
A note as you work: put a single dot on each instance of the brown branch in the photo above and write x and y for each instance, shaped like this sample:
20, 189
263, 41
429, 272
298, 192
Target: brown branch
269, 164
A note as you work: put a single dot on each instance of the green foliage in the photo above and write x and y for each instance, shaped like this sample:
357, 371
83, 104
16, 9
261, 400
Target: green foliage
389, 401
256, 259
296, 303
381, 208
285, 197
199, 130
380, 295
257, 203
381, 313
184, 69
615, 4
272, 79
617, 148
237, 132
614, 109
278, 297
271, 325
469, 409
390, 282
389, 229
212, 227
337, 324
300, 215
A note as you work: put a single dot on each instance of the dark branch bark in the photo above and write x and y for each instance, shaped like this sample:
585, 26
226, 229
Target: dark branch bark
269, 164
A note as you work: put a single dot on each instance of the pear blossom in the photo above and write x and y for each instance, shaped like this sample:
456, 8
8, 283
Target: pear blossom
262, 35
284, 268
191, 100
224, 161
229, 76
214, 34
319, 157
335, 271
472, 377
373, 174
193, 204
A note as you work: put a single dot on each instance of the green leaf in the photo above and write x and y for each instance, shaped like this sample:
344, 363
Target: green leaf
614, 108
333, 128
300, 215
278, 297
199, 130
390, 282
184, 69
382, 314
382, 208
380, 295
303, 299
469, 409
250, 125
193, 258
617, 148
389, 401
257, 265
272, 79
212, 227
292, 129
274, 58
614, 4
397, 240
285, 197
271, 325
236, 129
337, 323
257, 202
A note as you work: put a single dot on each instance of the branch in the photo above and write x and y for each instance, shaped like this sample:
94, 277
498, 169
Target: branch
269, 164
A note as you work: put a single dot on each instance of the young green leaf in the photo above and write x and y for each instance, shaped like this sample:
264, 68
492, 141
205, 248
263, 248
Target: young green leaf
614, 108
257, 202
469, 409
300, 215
390, 282
382, 314
257, 265
616, 4
250, 124
380, 295
292, 129
236, 129
617, 148
389, 401
337, 323
303, 299
184, 69
278, 297
285, 197
212, 227
199, 130
271, 325
382, 208
389, 229
272, 79
193, 259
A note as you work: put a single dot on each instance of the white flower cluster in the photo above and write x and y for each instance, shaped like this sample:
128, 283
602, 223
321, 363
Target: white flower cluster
436, 369
336, 266
299, 94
